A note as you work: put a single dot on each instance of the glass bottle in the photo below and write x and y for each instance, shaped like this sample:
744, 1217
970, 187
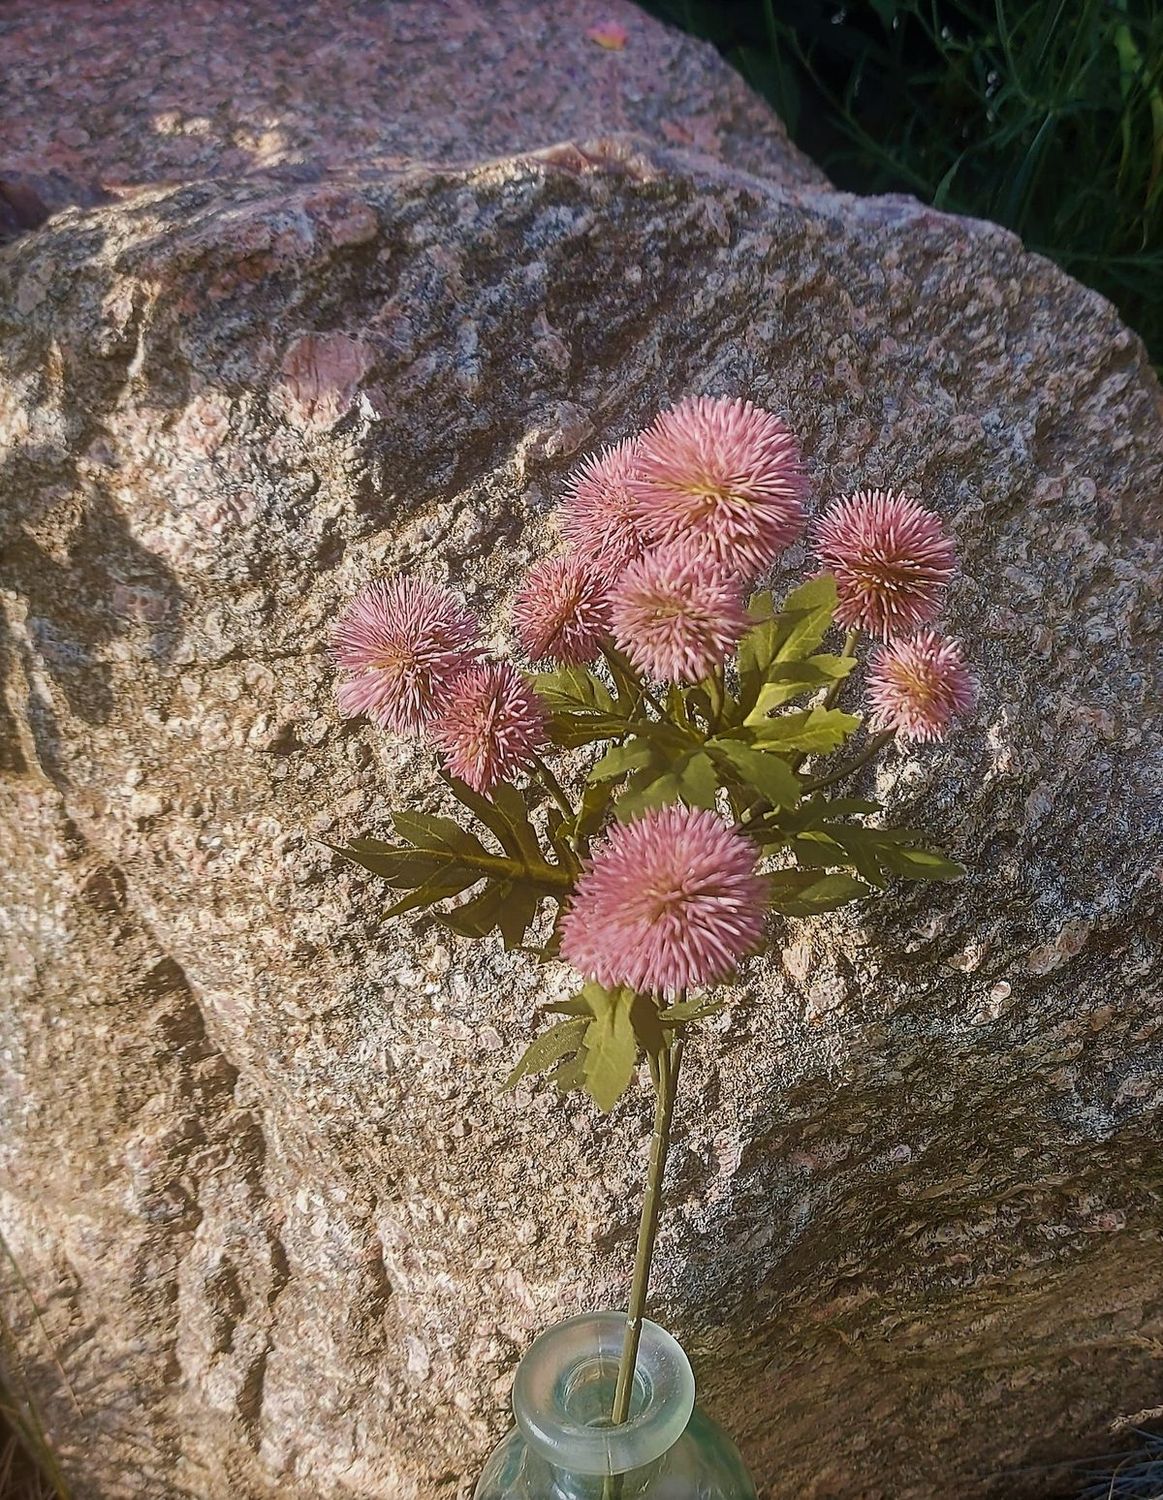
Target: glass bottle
564, 1446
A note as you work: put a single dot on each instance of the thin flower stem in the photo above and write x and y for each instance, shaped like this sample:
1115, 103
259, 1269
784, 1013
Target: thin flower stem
849, 651
875, 744
666, 1090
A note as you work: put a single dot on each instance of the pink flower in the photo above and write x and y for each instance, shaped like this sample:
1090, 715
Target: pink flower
599, 519
724, 477
490, 725
677, 617
399, 644
918, 687
561, 611
891, 558
667, 903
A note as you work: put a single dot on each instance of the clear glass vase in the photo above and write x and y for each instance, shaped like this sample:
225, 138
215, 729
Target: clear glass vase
564, 1446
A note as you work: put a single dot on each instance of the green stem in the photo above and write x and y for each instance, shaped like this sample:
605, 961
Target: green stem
875, 744
848, 652
666, 1090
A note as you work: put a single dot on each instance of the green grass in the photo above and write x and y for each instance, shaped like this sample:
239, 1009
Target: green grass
1043, 115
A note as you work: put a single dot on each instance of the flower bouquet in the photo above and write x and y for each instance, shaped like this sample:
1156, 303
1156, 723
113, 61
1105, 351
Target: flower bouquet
697, 796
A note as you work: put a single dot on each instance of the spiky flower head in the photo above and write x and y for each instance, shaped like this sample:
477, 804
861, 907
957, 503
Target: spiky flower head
399, 644
917, 687
561, 611
598, 518
891, 558
667, 903
677, 616
723, 477
490, 725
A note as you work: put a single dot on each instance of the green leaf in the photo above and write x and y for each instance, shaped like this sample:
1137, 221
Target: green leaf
687, 1011
443, 883
611, 1047
438, 835
518, 913
550, 1047
691, 780
572, 728
478, 917
621, 759
576, 1005
574, 687
647, 1026
920, 864
810, 732
804, 617
761, 770
401, 865
510, 804
818, 893
793, 679
502, 814
592, 811
571, 1074
697, 782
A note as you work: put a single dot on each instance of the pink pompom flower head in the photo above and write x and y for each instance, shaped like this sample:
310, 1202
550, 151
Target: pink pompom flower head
725, 478
399, 644
891, 558
490, 726
677, 616
562, 611
599, 519
668, 903
917, 687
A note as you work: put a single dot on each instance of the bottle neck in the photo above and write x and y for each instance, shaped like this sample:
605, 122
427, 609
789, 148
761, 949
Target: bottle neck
564, 1393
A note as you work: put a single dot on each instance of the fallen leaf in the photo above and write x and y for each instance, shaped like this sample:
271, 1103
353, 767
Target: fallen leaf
610, 35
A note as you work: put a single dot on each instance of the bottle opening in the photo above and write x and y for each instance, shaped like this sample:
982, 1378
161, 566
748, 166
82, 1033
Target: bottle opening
564, 1393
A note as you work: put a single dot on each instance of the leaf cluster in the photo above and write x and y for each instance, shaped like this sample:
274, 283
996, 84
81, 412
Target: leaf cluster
736, 743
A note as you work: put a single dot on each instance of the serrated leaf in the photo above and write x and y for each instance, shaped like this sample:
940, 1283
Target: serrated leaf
511, 805
920, 864
647, 1026
478, 917
811, 732
490, 813
762, 770
447, 882
823, 893
611, 1049
621, 759
401, 865
572, 728
437, 835
546, 1050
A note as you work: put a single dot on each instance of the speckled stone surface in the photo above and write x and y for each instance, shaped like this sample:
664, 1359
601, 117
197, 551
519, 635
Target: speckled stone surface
110, 96
285, 1236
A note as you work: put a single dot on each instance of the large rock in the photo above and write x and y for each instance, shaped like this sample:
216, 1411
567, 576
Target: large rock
284, 1236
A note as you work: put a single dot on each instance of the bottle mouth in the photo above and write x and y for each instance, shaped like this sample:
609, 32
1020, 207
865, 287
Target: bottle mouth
564, 1392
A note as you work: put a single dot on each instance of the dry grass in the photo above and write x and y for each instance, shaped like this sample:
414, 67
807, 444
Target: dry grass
21, 1478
